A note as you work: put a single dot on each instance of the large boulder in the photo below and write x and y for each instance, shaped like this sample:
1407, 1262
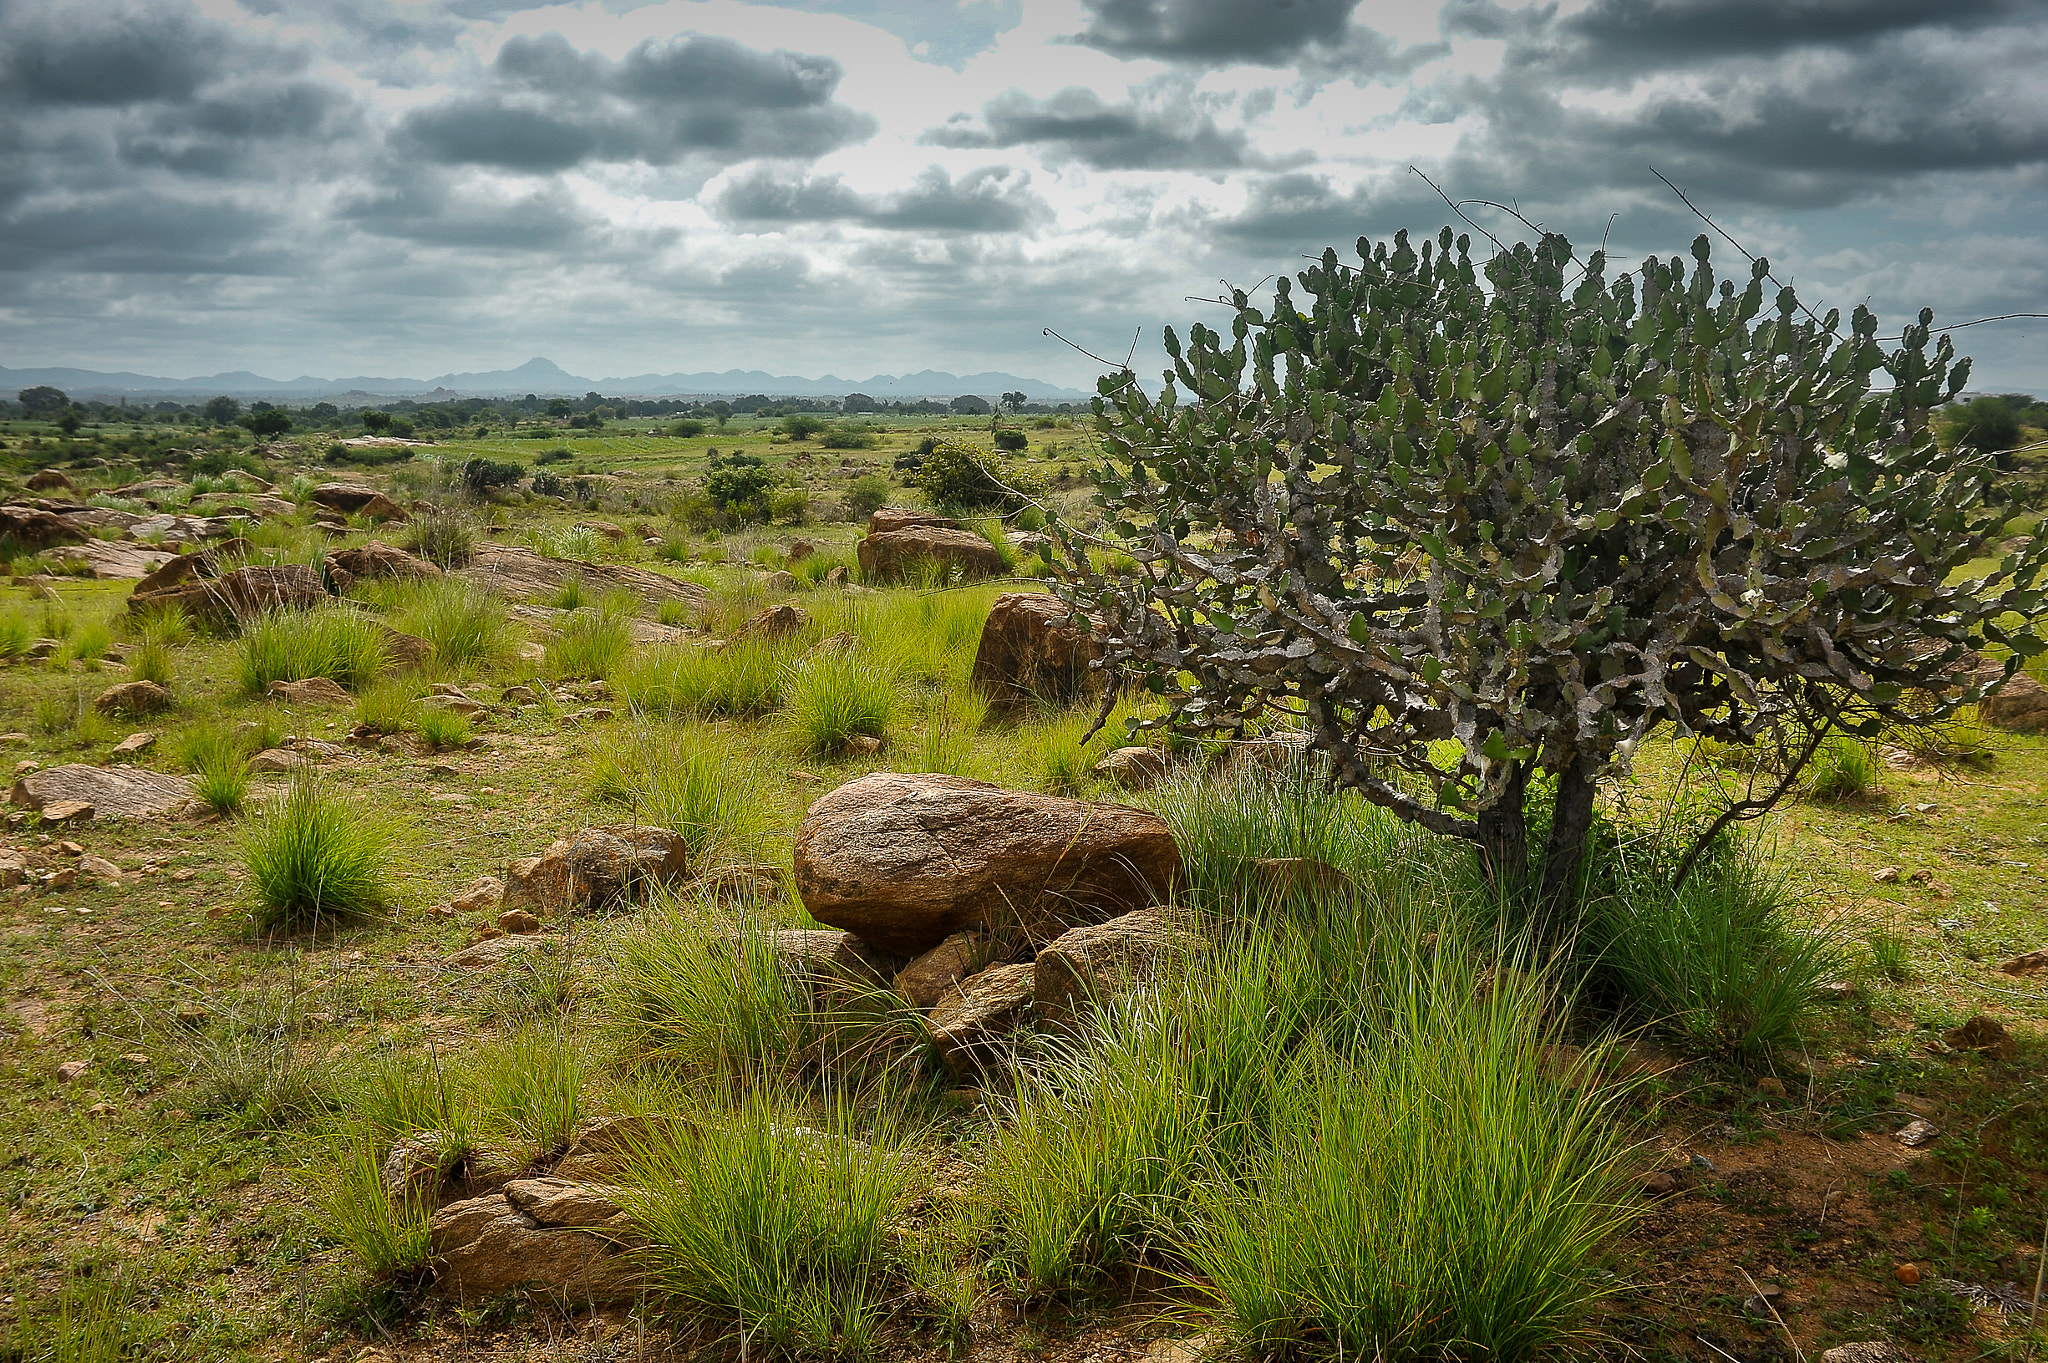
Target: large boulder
109, 792
595, 868
200, 563
2021, 704
36, 529
1035, 647
1090, 964
50, 480
548, 1234
132, 698
906, 861
346, 567
108, 561
357, 500
238, 595
893, 553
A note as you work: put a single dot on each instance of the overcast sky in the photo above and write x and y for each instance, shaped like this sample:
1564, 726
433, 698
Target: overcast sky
852, 186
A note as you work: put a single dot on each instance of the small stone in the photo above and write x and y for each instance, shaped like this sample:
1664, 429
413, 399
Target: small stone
1909, 1274
782, 580
1869, 1350
99, 866
67, 811
518, 695
1660, 1184
101, 1109
70, 848
484, 894
1771, 1087
132, 698
25, 766
1888, 875
277, 762
1917, 1132
1921, 876
134, 743
515, 921
61, 880
311, 691
71, 1069
1133, 768
1835, 991
2033, 962
1703, 1164
866, 745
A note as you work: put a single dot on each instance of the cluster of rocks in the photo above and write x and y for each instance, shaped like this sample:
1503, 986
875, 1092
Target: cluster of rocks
105, 542
899, 538
988, 907
50, 864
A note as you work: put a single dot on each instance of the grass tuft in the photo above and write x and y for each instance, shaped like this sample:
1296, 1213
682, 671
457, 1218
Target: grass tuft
316, 859
835, 697
590, 644
340, 645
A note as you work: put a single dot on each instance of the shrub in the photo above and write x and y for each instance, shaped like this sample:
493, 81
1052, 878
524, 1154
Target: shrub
1012, 441
388, 1237
342, 646
849, 438
790, 505
867, 494
90, 642
837, 696
1891, 956
151, 661
687, 429
589, 644
316, 859
737, 490
560, 454
481, 477
961, 476
802, 425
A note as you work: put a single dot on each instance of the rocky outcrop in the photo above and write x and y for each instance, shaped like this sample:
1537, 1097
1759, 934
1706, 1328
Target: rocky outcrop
973, 1021
50, 480
1034, 648
107, 792
2021, 705
356, 500
1090, 964
826, 962
311, 691
896, 552
364, 562
200, 563
36, 530
238, 595
132, 698
107, 561
520, 574
550, 1234
906, 861
595, 868
888, 519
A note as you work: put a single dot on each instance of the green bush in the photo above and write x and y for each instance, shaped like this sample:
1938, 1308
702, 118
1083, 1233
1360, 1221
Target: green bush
802, 425
387, 706
442, 538
689, 428
340, 645
849, 438
963, 477
481, 476
789, 505
867, 494
316, 859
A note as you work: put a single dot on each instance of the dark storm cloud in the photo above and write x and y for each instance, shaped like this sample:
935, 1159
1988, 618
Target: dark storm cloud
549, 107
1077, 124
992, 199
215, 136
1214, 30
97, 55
136, 232
1306, 212
422, 207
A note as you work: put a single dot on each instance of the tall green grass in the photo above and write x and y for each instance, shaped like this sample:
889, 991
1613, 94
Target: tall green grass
589, 644
835, 697
685, 780
217, 756
743, 680
703, 1000
318, 858
340, 645
776, 1227
1843, 768
466, 625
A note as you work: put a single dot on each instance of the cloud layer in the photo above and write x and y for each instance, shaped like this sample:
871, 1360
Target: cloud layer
389, 185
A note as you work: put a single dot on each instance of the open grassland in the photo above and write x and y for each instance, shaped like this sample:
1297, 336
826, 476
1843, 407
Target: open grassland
1366, 1120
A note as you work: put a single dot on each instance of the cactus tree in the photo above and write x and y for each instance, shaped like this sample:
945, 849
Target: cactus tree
1472, 522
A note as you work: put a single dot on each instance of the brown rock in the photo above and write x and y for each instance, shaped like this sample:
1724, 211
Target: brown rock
416, 1167
197, 564
1872, 1350
311, 691
799, 550
134, 744
1034, 647
894, 553
107, 561
837, 577
36, 529
1909, 1274
49, 480
1090, 964
888, 519
600, 1147
597, 867
494, 951
357, 500
70, 1070
132, 698
612, 532
906, 861
824, 958
520, 574
516, 921
238, 595
781, 580
973, 1019
2031, 963
542, 1233
775, 621
112, 792
925, 980
99, 867
484, 893
2021, 704
365, 562
1981, 1034
277, 762
1134, 768
67, 811
740, 884
1659, 1184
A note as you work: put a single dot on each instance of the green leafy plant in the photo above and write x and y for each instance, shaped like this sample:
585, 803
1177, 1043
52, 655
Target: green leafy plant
961, 476
867, 494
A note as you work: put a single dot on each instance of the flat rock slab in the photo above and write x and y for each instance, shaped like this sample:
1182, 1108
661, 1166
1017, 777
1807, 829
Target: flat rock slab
544, 1233
906, 861
108, 561
113, 792
522, 574
238, 595
494, 951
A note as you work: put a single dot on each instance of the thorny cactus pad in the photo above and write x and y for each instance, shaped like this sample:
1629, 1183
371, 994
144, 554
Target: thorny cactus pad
1468, 530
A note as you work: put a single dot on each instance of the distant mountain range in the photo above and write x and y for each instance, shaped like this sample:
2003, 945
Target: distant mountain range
538, 376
